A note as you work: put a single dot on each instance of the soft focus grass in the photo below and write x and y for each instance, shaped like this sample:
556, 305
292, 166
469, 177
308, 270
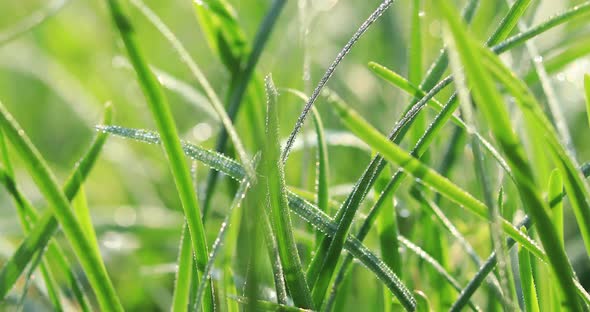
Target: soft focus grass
327, 224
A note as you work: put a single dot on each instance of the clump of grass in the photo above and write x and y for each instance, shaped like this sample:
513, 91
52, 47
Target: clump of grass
285, 245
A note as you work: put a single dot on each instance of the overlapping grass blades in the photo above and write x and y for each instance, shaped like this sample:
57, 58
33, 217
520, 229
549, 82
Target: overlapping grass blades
158, 105
304, 209
274, 181
423, 173
488, 98
90, 260
330, 71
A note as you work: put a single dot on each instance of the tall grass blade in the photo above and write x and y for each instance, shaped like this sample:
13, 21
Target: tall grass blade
488, 99
423, 173
158, 105
241, 78
39, 236
574, 182
509, 22
274, 180
330, 71
90, 260
307, 211
180, 297
526, 279
198, 74
219, 240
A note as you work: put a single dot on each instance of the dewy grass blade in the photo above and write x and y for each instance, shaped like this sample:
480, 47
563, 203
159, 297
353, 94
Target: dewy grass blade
158, 105
219, 240
243, 77
330, 71
408, 87
198, 74
509, 22
323, 165
489, 100
423, 173
275, 183
90, 260
303, 208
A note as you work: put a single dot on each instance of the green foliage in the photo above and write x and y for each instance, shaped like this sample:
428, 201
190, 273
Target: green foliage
334, 216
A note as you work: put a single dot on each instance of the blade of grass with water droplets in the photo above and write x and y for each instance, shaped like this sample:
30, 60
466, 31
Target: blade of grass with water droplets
45, 180
489, 100
330, 71
198, 74
162, 116
280, 214
219, 240
426, 175
509, 22
304, 209
406, 86
239, 86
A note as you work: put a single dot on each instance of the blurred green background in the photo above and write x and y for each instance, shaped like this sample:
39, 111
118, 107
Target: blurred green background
56, 78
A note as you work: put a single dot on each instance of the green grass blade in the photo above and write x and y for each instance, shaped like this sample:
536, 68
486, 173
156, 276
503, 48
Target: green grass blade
577, 11
158, 105
323, 166
180, 297
489, 100
526, 279
198, 74
399, 81
23, 210
422, 172
70, 188
218, 21
303, 208
280, 214
90, 260
490, 263
555, 190
82, 212
509, 22
219, 240
587, 89
240, 81
574, 182
422, 254
330, 71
